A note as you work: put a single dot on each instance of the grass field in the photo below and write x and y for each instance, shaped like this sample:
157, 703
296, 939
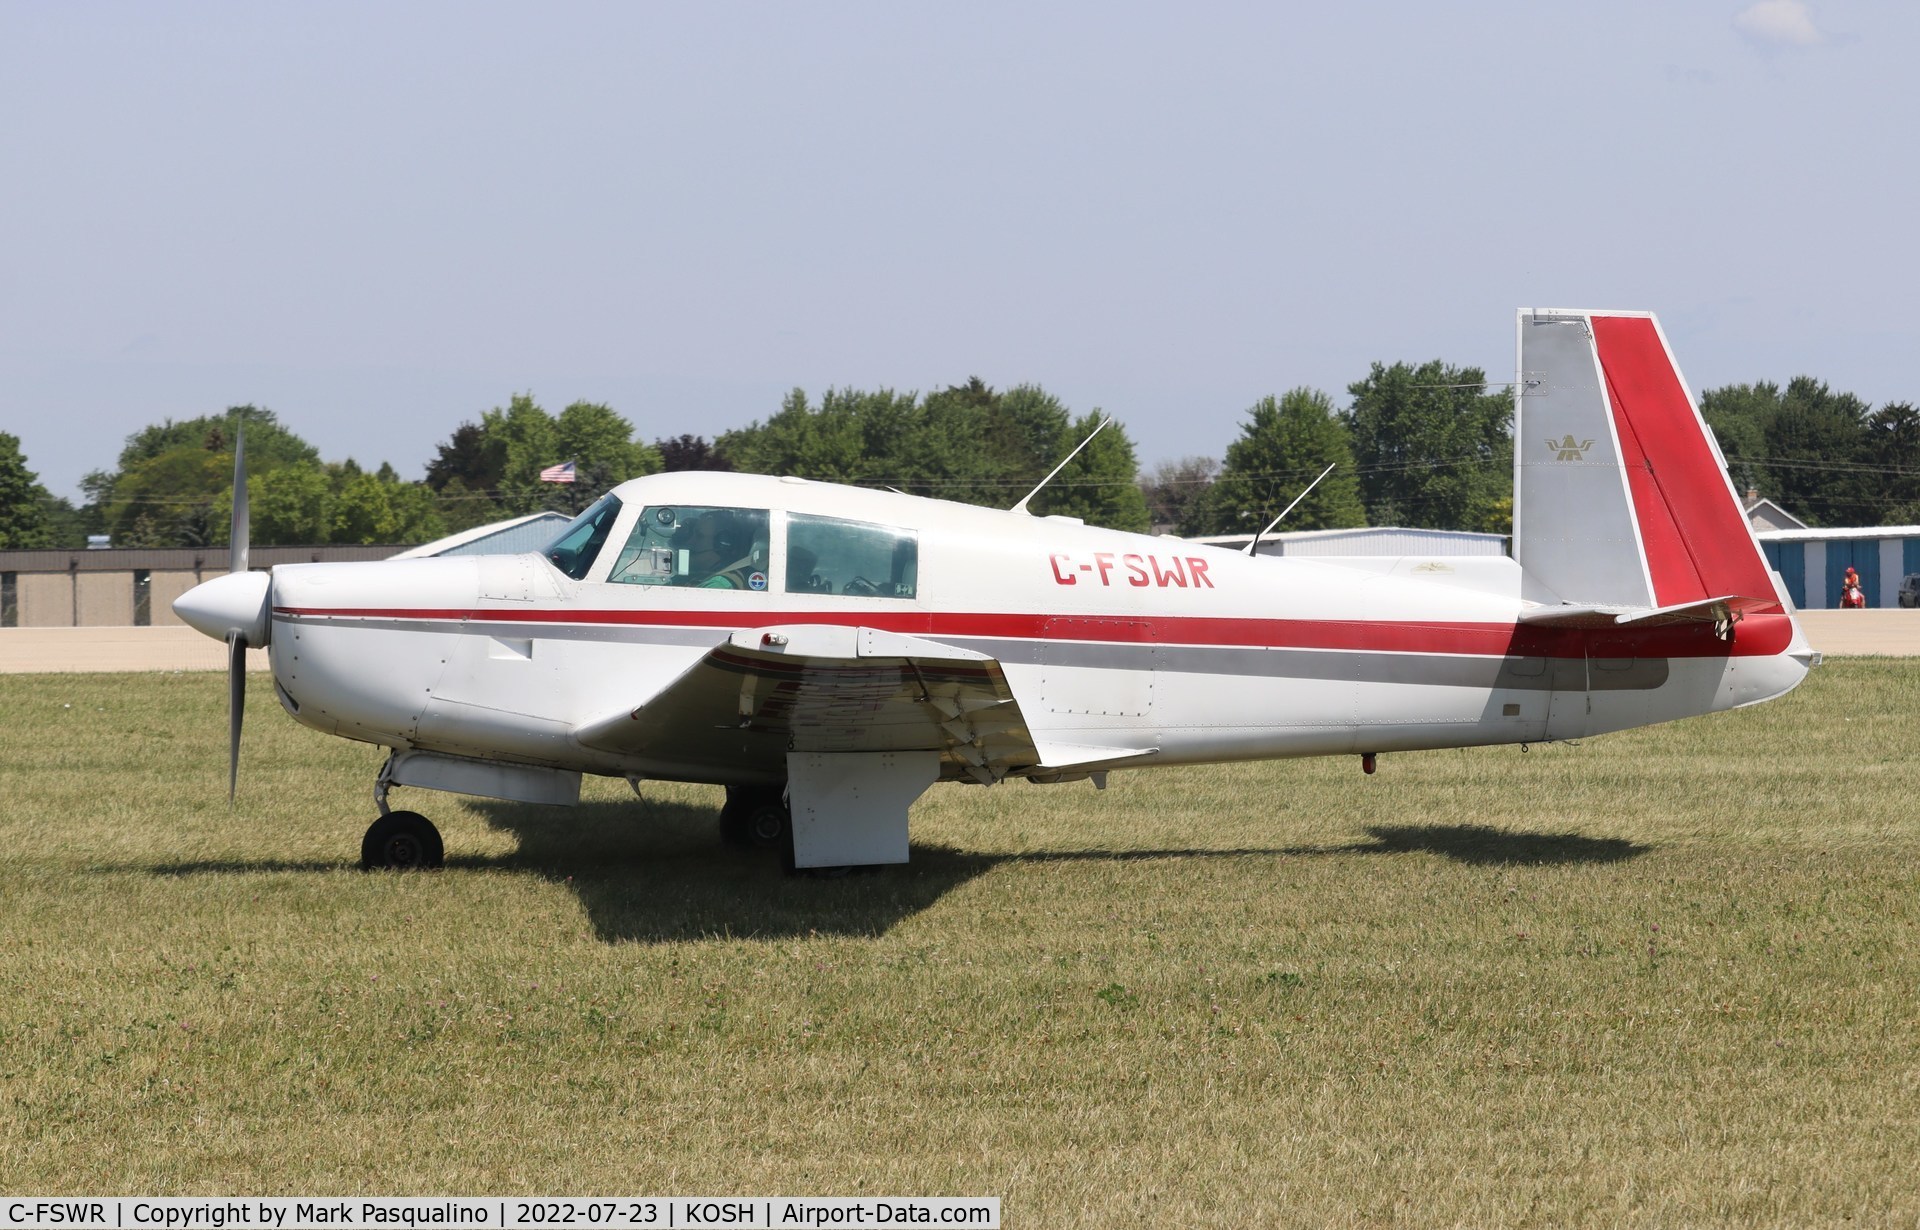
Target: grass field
1668, 977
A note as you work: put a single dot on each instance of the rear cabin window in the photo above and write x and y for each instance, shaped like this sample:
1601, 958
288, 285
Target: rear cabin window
578, 544
698, 546
826, 555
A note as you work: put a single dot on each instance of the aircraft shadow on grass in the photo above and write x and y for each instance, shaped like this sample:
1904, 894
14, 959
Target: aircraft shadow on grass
654, 872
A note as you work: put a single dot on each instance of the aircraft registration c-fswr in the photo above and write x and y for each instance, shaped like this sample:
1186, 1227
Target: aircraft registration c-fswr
827, 653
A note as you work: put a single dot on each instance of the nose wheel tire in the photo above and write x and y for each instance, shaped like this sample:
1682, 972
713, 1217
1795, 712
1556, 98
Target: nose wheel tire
401, 841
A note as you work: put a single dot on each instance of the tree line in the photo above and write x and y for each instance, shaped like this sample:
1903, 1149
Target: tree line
1417, 445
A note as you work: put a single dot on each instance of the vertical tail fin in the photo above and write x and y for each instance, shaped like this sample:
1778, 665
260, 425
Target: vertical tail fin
1621, 496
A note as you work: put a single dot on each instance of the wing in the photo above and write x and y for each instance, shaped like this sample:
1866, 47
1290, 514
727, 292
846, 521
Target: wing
824, 688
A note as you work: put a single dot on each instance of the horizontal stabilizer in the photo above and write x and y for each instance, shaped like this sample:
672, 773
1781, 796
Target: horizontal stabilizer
1710, 610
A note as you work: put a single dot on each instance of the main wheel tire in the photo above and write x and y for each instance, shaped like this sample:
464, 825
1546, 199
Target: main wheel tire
768, 824
402, 841
733, 820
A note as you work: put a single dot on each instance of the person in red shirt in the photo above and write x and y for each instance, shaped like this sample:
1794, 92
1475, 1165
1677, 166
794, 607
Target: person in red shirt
1852, 597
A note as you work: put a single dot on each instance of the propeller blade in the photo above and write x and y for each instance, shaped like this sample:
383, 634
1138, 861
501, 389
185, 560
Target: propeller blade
237, 556
236, 707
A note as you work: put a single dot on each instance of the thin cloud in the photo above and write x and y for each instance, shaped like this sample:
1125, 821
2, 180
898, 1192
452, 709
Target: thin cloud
1778, 23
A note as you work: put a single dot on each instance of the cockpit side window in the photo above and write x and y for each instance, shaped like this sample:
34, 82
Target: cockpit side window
578, 544
826, 555
704, 547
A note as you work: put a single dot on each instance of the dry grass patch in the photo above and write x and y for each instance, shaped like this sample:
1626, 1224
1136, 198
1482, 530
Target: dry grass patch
1662, 977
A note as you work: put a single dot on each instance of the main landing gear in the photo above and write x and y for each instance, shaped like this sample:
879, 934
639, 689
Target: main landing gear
399, 840
756, 818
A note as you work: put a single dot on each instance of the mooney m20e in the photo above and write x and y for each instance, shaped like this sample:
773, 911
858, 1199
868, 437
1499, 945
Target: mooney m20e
827, 653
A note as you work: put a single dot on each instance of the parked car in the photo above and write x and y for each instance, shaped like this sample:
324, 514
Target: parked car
1910, 589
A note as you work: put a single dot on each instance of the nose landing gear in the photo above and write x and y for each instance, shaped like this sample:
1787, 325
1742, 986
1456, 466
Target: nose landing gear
399, 840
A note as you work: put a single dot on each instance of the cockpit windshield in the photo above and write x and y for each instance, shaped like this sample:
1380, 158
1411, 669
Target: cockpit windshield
575, 548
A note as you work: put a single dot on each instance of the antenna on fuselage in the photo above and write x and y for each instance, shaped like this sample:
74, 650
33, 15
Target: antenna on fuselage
1022, 505
1252, 546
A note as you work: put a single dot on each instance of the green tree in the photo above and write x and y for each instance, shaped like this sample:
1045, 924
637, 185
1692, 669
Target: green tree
966, 442
1821, 455
67, 526
852, 437
1814, 445
290, 505
1283, 446
174, 488
948, 447
340, 503
378, 508
1176, 494
1433, 448
464, 459
172, 499
1101, 484
24, 503
689, 452
1739, 416
980, 446
1893, 442
269, 444
465, 479
520, 442
174, 484
490, 470
601, 445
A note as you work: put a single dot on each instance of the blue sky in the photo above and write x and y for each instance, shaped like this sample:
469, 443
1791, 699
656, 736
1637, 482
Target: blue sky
382, 219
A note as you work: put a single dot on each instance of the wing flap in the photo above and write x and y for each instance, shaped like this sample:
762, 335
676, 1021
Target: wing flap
827, 688
1054, 755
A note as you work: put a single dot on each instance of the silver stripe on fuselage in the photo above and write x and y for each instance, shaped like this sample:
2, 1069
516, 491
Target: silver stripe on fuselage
1519, 674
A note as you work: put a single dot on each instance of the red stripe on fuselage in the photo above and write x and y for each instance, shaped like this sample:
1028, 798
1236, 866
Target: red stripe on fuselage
1757, 635
1698, 544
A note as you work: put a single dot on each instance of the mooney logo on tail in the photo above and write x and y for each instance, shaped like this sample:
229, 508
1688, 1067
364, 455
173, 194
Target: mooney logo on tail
1568, 450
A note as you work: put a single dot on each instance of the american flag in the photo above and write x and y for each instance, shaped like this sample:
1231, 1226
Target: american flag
562, 473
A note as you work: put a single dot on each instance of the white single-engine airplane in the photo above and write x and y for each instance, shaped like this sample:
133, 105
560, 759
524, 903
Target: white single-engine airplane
826, 653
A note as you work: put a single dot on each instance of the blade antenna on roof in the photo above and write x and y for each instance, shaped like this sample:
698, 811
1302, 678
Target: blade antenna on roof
1022, 505
1252, 546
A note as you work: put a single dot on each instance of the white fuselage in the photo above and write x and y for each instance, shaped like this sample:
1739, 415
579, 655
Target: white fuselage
1109, 640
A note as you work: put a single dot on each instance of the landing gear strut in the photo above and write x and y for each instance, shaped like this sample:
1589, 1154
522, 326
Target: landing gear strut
399, 840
